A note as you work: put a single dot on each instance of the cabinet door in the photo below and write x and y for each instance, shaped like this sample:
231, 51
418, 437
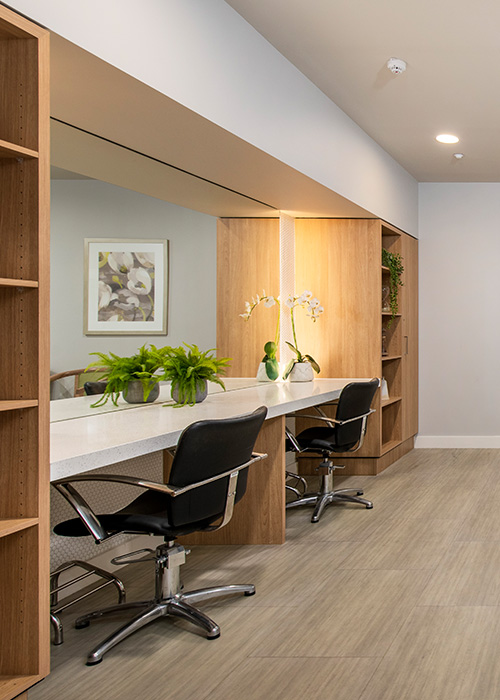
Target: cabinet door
410, 337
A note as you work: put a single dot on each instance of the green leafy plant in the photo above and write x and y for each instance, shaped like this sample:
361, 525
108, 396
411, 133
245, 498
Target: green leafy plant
394, 262
313, 310
270, 348
189, 369
142, 367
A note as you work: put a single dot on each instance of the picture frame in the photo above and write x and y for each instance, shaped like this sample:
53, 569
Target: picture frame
125, 286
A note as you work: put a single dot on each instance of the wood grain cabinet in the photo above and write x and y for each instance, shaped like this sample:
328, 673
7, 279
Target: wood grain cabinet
340, 260
24, 354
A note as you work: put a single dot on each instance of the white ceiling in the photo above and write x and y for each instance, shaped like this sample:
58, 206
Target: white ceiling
452, 50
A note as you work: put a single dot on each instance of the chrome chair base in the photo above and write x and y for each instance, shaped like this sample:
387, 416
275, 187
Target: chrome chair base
327, 495
168, 601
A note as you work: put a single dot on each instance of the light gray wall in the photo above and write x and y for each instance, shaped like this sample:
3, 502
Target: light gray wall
222, 68
459, 314
89, 209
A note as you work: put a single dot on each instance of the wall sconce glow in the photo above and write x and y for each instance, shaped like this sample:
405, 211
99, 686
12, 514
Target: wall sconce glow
447, 138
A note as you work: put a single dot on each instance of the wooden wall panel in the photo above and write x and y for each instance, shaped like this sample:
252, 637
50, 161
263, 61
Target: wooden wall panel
409, 309
337, 259
247, 264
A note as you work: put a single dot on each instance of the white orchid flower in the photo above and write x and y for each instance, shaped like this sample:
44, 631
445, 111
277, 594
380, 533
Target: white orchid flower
127, 300
290, 302
121, 262
115, 318
313, 303
269, 301
305, 296
106, 295
139, 281
146, 259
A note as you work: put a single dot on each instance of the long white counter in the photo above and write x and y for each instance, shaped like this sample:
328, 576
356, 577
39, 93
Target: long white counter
92, 441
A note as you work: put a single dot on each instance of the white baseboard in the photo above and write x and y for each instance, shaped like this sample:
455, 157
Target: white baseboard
458, 441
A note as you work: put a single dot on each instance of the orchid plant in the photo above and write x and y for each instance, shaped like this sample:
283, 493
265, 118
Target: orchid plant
313, 310
271, 347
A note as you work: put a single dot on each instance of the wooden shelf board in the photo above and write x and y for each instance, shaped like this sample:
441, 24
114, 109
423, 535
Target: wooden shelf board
11, 686
389, 229
388, 358
388, 402
12, 150
9, 526
8, 282
388, 446
388, 313
385, 268
15, 404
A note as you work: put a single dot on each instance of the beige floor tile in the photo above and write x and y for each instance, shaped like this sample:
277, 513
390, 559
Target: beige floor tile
297, 679
483, 521
442, 654
469, 574
358, 615
413, 543
284, 578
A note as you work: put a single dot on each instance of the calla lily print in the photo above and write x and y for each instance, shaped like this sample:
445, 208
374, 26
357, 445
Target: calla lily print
126, 286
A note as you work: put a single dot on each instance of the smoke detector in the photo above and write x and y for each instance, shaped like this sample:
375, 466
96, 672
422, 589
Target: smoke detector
396, 65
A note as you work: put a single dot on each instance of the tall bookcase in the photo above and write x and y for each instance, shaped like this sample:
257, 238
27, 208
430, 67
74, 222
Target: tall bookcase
24, 354
341, 258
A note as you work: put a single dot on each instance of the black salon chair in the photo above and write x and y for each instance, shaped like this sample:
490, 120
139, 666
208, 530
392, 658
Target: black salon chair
208, 476
344, 433
94, 388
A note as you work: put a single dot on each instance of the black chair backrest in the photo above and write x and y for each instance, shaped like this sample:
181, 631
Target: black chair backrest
92, 388
205, 449
355, 400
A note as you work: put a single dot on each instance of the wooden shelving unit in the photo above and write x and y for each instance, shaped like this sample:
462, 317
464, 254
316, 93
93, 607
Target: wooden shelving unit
340, 259
24, 357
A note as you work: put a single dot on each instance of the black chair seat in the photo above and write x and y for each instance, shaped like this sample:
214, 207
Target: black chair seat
321, 439
147, 514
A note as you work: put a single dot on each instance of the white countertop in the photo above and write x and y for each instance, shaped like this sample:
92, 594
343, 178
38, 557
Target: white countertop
79, 444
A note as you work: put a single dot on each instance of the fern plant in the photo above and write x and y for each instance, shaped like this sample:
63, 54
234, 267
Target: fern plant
394, 262
119, 371
189, 369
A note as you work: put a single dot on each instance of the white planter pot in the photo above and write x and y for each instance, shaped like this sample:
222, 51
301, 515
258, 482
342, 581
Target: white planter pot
261, 373
301, 372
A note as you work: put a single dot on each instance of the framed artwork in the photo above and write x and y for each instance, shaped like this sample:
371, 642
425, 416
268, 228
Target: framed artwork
126, 287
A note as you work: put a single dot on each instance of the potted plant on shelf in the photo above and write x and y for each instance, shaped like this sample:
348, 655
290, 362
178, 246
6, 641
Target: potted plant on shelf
300, 368
394, 262
268, 370
136, 377
189, 370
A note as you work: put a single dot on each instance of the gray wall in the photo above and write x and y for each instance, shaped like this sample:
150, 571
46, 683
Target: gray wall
459, 314
89, 209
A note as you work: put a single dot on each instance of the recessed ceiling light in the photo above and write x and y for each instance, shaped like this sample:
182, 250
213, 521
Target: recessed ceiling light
458, 156
447, 138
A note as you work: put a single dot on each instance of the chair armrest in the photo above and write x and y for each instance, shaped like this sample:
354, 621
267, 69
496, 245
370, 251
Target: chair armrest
325, 419
90, 519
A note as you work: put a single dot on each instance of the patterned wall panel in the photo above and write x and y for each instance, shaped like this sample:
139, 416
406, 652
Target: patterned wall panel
104, 498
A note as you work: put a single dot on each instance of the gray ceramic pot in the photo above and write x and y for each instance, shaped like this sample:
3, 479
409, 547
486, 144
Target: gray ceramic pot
135, 393
200, 395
